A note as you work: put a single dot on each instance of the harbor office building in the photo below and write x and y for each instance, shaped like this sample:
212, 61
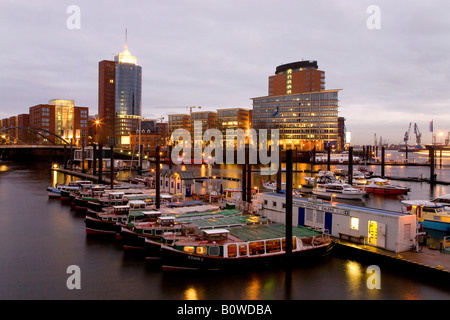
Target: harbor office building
299, 107
305, 120
388, 230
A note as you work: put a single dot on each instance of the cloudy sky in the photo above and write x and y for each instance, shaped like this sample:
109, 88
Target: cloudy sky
219, 54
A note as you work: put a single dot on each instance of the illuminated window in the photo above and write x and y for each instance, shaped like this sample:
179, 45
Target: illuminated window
200, 250
354, 223
242, 249
232, 251
189, 249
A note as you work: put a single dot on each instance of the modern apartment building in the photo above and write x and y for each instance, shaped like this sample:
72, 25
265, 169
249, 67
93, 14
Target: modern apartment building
60, 118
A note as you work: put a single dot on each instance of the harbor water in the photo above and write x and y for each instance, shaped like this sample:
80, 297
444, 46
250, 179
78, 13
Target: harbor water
40, 238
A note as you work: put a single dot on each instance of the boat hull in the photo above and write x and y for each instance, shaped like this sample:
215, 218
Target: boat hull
99, 227
435, 225
386, 191
335, 195
132, 240
176, 260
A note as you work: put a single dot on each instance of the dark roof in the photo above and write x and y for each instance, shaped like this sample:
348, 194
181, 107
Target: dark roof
297, 65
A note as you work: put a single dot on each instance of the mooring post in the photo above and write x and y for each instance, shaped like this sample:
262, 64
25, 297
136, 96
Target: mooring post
83, 168
157, 177
432, 159
382, 162
244, 177
329, 158
100, 163
111, 143
249, 174
350, 165
288, 206
94, 159
280, 160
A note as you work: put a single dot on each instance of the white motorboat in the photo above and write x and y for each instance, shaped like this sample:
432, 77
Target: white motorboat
272, 185
338, 191
443, 200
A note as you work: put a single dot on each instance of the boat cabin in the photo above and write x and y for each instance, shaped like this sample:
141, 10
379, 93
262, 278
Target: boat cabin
116, 195
152, 215
215, 234
121, 210
166, 221
78, 183
137, 204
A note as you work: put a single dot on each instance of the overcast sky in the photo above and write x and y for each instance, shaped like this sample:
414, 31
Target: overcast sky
219, 54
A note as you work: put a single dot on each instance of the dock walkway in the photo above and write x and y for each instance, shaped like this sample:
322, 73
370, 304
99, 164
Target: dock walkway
425, 261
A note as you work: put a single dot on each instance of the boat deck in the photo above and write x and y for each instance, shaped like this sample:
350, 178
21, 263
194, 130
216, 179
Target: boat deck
269, 231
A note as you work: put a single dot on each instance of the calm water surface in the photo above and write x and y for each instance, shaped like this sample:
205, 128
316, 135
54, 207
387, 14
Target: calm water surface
41, 237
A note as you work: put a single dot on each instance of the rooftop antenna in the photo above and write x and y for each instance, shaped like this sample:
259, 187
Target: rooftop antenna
126, 39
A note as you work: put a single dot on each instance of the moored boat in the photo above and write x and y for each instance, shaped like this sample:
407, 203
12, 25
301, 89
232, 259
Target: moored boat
53, 192
443, 200
243, 246
383, 186
272, 185
104, 223
338, 191
429, 214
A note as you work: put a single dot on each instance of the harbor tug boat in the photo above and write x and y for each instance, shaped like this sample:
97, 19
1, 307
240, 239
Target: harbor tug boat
383, 186
241, 246
430, 215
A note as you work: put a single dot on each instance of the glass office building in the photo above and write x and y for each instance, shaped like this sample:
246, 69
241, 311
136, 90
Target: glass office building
128, 82
304, 120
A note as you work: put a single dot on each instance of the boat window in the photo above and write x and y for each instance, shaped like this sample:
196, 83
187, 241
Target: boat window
147, 231
273, 246
274, 203
232, 251
214, 251
294, 244
256, 247
201, 250
242, 250
158, 232
189, 249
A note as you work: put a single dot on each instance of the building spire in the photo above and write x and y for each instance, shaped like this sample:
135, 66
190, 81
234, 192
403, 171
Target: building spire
126, 39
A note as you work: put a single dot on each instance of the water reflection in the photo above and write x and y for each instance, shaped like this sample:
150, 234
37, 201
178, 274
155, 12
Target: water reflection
190, 294
253, 290
354, 275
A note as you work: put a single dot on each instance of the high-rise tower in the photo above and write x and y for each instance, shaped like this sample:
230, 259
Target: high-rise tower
120, 92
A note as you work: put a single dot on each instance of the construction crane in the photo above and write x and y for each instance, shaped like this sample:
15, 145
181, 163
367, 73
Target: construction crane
406, 138
418, 135
186, 107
